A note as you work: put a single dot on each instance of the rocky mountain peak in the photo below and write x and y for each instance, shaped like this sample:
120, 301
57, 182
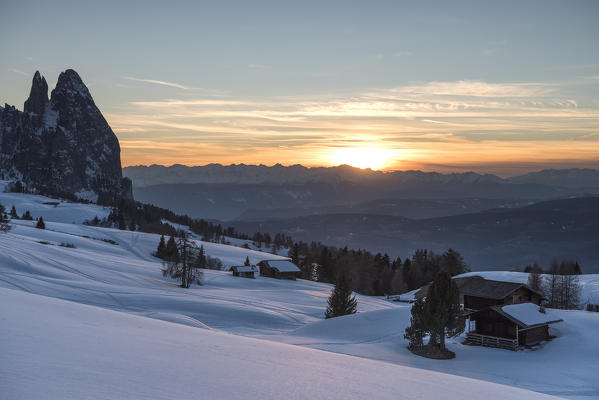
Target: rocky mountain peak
70, 151
38, 96
70, 82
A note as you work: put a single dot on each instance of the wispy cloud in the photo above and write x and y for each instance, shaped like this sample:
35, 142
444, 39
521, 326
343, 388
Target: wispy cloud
157, 82
466, 88
18, 71
459, 122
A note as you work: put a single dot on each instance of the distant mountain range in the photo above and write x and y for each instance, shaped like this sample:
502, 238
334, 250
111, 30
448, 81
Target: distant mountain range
250, 191
254, 174
496, 223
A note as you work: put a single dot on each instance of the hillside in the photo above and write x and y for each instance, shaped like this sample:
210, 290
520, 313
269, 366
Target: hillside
115, 293
493, 239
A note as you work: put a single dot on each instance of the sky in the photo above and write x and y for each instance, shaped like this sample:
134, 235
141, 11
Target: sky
501, 87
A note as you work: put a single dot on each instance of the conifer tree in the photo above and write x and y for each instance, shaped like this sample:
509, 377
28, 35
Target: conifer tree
202, 260
171, 252
27, 216
453, 263
417, 330
247, 261
325, 266
442, 309
4, 226
161, 249
295, 254
40, 223
13, 213
341, 302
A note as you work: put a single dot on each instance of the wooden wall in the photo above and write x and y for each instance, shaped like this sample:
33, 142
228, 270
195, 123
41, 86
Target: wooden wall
533, 336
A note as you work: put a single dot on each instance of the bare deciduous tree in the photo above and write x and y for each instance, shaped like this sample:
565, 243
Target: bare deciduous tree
186, 267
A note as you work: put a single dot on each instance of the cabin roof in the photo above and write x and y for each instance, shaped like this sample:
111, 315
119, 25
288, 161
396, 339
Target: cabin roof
527, 315
489, 289
244, 268
283, 265
477, 286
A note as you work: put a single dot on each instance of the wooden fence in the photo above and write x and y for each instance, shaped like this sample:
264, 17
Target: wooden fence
491, 341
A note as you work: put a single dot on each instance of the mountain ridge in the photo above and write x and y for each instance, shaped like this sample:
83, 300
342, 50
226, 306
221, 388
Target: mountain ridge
153, 174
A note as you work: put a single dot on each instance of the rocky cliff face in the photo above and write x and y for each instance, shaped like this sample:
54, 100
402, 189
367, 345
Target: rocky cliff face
62, 145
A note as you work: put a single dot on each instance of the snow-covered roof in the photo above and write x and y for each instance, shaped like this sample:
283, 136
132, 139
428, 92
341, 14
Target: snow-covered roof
283, 265
527, 314
245, 268
490, 289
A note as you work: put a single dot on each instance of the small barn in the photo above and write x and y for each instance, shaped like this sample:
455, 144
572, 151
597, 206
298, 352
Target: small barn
510, 326
244, 271
280, 269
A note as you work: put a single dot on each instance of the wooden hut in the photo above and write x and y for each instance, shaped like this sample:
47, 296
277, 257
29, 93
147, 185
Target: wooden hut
244, 271
280, 269
501, 314
510, 326
477, 293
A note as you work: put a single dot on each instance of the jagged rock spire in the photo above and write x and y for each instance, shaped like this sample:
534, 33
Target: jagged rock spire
38, 97
70, 151
70, 80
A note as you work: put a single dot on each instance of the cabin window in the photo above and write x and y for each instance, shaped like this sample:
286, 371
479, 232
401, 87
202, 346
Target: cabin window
471, 325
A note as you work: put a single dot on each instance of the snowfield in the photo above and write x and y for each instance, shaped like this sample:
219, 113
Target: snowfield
99, 321
54, 349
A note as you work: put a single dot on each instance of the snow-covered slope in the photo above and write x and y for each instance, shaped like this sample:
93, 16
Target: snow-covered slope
52, 349
125, 276
566, 366
51, 209
111, 351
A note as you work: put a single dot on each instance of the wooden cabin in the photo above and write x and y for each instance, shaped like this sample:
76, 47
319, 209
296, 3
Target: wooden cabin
477, 293
244, 271
510, 326
501, 314
280, 269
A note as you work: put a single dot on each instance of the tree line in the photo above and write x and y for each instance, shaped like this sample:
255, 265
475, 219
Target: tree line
374, 274
560, 283
136, 216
